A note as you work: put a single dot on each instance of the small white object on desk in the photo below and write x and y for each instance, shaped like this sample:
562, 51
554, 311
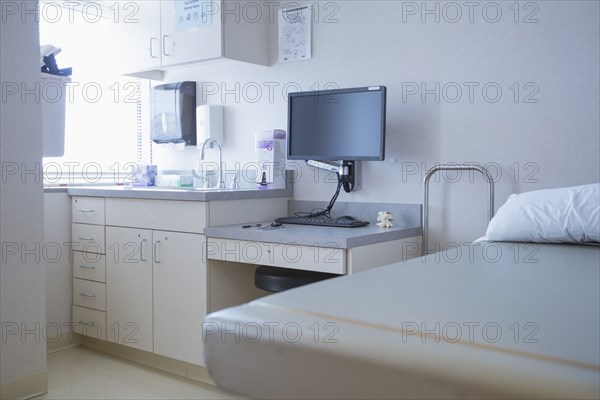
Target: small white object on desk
384, 219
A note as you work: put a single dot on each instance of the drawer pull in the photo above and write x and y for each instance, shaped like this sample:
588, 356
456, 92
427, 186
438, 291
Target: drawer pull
87, 267
156, 252
143, 250
164, 45
151, 53
86, 210
84, 294
86, 239
86, 323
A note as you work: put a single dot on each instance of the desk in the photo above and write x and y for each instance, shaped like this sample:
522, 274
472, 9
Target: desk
234, 252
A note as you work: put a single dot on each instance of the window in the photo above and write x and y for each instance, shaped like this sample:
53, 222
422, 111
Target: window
103, 130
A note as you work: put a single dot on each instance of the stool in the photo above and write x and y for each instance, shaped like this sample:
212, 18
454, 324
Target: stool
275, 279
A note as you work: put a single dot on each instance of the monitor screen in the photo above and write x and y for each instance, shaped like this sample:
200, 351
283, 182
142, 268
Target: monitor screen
341, 124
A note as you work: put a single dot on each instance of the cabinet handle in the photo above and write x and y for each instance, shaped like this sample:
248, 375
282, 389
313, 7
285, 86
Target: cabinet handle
151, 47
86, 210
143, 250
85, 239
156, 252
84, 294
86, 323
87, 266
164, 47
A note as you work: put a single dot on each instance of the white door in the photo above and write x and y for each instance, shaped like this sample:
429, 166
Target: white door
179, 295
191, 31
129, 287
136, 35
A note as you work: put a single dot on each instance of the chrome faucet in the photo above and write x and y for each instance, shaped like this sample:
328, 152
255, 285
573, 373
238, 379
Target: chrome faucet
221, 184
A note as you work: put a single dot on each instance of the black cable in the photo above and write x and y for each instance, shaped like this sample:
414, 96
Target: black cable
327, 211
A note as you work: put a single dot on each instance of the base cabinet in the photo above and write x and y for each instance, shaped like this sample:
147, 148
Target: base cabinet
129, 287
153, 298
179, 306
140, 274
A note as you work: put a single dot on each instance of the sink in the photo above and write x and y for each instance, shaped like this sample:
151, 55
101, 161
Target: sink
211, 189
176, 189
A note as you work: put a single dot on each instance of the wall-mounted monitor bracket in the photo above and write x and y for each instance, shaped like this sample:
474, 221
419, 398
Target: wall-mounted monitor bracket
350, 172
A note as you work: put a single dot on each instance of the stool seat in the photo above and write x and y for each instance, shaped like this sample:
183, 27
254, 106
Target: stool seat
275, 279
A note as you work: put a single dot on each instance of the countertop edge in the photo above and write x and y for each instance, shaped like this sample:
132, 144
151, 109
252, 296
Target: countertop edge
300, 237
180, 194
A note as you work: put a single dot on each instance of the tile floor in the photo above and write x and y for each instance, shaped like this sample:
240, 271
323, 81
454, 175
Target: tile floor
82, 373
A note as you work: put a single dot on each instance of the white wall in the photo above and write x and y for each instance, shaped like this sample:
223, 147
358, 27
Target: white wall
552, 142
59, 271
22, 277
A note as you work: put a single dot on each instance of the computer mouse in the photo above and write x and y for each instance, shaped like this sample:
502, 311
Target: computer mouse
276, 224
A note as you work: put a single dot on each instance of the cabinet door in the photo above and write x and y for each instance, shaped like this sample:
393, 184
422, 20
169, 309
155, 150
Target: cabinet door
136, 36
129, 287
179, 295
191, 31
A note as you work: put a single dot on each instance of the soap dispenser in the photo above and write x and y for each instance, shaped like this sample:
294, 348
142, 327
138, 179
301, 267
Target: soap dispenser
209, 127
209, 120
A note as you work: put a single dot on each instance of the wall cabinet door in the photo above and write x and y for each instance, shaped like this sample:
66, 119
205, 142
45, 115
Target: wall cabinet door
190, 32
129, 287
152, 36
137, 36
179, 271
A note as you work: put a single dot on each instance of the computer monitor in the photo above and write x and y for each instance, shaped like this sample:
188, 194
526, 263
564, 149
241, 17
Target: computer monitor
337, 125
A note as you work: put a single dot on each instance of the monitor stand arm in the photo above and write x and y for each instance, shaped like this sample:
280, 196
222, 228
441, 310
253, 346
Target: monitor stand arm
350, 172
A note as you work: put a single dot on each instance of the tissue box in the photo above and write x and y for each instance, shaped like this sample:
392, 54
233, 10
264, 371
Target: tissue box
144, 175
271, 159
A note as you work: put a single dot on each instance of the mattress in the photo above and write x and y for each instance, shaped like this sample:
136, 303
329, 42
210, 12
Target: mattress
486, 320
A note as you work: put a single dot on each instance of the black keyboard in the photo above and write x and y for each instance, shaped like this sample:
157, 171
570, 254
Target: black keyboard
342, 222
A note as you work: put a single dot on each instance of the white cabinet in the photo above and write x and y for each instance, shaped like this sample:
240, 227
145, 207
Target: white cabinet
89, 287
87, 210
129, 287
89, 322
89, 294
137, 36
309, 258
156, 277
148, 258
179, 295
88, 238
203, 41
156, 290
157, 35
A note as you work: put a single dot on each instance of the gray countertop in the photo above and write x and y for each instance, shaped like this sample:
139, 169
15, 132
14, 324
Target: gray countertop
319, 236
158, 193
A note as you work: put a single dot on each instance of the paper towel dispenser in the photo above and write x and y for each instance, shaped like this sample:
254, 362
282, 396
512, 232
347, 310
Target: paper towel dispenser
174, 113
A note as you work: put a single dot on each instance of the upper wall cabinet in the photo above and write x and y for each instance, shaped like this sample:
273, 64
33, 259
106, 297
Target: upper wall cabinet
162, 34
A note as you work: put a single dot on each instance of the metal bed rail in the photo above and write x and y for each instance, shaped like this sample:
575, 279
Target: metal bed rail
453, 167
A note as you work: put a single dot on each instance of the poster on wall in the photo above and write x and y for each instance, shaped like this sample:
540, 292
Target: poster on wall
191, 14
295, 26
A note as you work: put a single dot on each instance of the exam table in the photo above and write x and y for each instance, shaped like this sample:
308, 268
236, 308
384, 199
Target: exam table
488, 320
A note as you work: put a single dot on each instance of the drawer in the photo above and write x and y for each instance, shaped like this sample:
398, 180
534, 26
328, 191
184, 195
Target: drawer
88, 238
89, 294
165, 215
89, 266
309, 258
88, 210
90, 323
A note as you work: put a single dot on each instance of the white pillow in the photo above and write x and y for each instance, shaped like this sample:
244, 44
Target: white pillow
563, 215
